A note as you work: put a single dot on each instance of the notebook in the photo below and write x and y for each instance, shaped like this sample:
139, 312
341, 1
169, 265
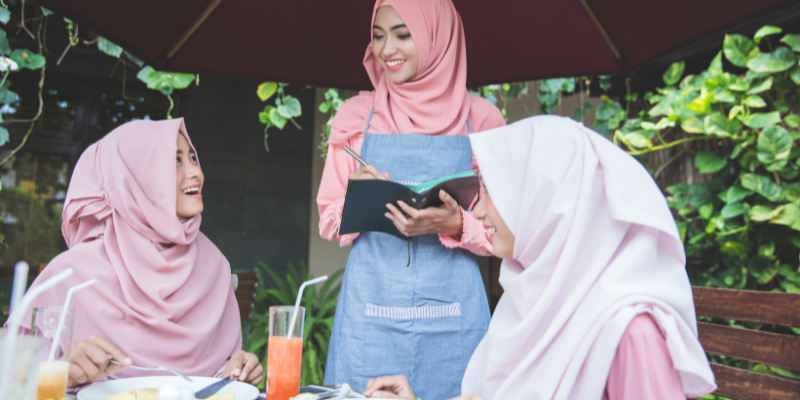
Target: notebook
366, 199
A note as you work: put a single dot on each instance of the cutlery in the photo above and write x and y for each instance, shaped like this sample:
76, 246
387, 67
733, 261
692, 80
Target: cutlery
153, 369
212, 389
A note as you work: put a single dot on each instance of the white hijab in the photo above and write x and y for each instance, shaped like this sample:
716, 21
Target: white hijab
595, 246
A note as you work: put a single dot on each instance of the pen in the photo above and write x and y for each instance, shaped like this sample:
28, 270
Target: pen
356, 156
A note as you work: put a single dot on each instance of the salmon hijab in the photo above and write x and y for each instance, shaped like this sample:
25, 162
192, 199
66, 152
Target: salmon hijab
164, 292
435, 101
595, 245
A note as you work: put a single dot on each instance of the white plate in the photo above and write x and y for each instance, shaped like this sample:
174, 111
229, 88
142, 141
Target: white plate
104, 390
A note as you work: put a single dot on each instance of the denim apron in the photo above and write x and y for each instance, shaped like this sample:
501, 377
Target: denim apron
409, 307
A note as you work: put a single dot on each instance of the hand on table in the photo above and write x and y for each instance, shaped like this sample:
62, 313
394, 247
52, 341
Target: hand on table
389, 387
432, 220
245, 367
90, 361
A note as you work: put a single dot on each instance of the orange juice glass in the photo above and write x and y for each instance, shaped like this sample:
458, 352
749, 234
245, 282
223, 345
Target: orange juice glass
284, 354
52, 383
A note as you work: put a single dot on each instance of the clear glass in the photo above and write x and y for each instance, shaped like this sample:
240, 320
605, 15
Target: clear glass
284, 355
24, 372
53, 375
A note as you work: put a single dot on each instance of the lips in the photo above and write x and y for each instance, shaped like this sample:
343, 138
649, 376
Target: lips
490, 231
394, 64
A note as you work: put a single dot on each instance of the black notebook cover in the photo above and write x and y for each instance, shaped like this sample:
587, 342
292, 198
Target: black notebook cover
366, 199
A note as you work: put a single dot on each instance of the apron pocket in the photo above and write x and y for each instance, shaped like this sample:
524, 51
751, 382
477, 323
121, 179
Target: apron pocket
450, 310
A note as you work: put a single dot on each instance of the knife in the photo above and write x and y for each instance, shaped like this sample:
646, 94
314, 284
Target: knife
212, 389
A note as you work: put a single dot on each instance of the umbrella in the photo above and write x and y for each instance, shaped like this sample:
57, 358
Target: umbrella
322, 42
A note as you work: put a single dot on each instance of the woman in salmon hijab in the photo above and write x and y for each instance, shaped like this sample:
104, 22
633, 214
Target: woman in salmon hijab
164, 294
597, 302
417, 306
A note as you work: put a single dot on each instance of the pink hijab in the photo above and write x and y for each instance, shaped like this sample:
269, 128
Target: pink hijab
162, 305
595, 246
436, 100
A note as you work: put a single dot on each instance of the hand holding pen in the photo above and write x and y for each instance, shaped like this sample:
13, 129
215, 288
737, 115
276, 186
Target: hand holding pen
367, 171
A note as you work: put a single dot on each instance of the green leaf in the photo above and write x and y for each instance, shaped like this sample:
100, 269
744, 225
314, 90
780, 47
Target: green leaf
5, 15
7, 96
737, 193
735, 248
789, 215
701, 103
761, 185
766, 31
715, 68
739, 49
794, 74
781, 105
792, 192
4, 47
693, 125
754, 101
27, 59
765, 85
708, 162
673, 74
635, 139
774, 145
4, 137
180, 81
767, 274
779, 60
735, 110
607, 109
142, 75
716, 124
762, 120
761, 213
732, 210
749, 161
267, 89
109, 48
277, 119
706, 210
290, 108
793, 41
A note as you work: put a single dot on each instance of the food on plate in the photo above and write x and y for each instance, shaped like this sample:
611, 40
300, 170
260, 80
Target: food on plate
224, 396
138, 394
305, 396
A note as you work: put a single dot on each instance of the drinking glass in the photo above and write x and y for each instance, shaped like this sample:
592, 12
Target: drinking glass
24, 367
284, 354
53, 374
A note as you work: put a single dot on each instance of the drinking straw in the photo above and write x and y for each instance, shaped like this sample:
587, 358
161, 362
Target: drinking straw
299, 297
20, 281
14, 321
63, 316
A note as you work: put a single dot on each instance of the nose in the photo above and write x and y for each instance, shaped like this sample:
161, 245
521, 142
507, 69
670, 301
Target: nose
389, 48
479, 211
194, 172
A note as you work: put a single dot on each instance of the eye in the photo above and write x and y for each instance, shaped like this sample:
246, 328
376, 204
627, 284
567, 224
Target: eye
404, 36
178, 160
194, 159
377, 37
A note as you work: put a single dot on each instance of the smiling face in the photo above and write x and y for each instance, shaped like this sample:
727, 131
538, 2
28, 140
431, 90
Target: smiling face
189, 180
501, 237
393, 46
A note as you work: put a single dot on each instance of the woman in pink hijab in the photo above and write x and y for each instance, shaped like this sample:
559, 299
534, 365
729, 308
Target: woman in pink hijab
164, 294
408, 302
597, 302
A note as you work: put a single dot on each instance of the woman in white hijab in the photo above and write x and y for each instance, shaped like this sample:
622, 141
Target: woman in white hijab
597, 301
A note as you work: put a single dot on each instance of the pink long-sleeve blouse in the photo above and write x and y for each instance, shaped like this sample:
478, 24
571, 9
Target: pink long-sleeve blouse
642, 368
330, 199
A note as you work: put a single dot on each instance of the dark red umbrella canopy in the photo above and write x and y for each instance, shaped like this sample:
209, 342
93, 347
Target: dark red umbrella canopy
322, 42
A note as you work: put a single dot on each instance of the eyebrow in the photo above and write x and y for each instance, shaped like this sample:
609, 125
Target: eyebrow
191, 151
393, 28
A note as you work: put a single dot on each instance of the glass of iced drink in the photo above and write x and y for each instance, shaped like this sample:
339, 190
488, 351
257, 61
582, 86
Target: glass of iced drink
21, 384
284, 353
53, 373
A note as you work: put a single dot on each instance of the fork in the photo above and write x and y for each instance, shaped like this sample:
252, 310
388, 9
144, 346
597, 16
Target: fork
153, 369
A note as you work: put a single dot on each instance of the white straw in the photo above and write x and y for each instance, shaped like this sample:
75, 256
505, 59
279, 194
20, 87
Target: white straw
14, 321
20, 281
63, 316
297, 302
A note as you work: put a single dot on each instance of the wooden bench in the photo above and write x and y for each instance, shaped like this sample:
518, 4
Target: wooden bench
774, 349
246, 297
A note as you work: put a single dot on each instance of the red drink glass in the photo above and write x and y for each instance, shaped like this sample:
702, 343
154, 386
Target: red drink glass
284, 354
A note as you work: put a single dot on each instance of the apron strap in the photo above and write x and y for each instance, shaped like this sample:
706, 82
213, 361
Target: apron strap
369, 121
